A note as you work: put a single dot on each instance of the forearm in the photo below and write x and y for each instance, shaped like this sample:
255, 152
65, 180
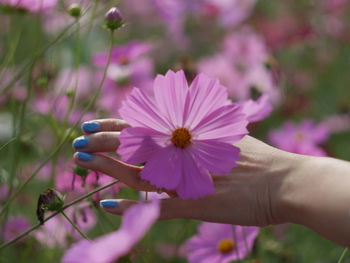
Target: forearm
317, 195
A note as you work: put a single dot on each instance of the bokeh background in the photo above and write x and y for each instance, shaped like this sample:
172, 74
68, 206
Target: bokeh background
297, 53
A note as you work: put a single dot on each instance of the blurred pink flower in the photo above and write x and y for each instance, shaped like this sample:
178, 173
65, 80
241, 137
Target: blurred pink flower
130, 67
337, 123
184, 134
153, 195
137, 220
30, 5
4, 192
15, 226
302, 138
241, 66
228, 12
57, 231
220, 243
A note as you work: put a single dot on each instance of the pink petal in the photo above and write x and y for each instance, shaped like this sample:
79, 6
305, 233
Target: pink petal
227, 124
138, 144
164, 168
170, 93
205, 96
196, 182
139, 111
136, 222
211, 153
257, 110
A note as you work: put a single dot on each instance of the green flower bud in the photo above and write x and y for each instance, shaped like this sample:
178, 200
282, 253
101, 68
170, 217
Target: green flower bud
74, 10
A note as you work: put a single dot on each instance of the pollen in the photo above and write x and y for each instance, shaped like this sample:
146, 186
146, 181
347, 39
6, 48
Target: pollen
181, 137
226, 246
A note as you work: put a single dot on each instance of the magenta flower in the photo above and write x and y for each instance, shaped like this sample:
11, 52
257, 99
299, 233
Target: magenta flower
302, 138
30, 5
136, 222
14, 227
220, 243
130, 67
182, 135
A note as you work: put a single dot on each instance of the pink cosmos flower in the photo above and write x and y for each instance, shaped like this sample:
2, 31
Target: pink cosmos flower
57, 231
220, 243
137, 220
302, 138
15, 226
130, 67
257, 110
241, 66
228, 12
184, 134
30, 5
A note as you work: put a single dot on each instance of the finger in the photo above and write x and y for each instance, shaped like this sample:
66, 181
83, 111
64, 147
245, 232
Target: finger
97, 142
128, 174
103, 125
170, 208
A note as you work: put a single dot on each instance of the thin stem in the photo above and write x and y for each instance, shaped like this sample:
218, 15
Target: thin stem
343, 255
4, 245
7, 143
69, 132
74, 225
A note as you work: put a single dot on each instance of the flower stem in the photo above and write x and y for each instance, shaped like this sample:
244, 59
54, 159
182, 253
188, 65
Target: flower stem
4, 245
343, 255
74, 225
68, 133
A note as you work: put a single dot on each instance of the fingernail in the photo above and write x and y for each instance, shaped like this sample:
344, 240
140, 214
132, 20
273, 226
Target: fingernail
108, 203
80, 142
90, 127
84, 156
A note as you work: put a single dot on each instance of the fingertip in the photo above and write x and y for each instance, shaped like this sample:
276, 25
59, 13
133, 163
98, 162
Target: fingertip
90, 127
83, 157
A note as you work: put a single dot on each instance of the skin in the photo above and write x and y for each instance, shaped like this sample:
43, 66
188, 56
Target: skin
268, 187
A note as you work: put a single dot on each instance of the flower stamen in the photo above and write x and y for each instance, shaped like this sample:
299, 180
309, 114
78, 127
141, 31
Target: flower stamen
226, 245
181, 138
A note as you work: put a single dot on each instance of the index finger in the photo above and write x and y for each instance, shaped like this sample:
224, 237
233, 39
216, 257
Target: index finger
103, 125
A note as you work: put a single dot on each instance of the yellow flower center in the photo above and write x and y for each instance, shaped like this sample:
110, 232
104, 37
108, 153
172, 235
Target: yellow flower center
226, 245
181, 137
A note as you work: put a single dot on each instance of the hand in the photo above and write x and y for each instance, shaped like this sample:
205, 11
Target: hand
249, 195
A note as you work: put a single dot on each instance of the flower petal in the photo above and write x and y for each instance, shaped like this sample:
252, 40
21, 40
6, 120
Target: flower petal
138, 144
196, 182
227, 124
210, 153
136, 222
140, 111
170, 93
205, 96
164, 168
257, 110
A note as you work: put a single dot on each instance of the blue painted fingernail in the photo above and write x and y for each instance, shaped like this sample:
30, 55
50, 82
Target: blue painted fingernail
80, 142
84, 156
90, 127
108, 203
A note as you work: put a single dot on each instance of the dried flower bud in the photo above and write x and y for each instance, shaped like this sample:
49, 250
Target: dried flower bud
113, 19
50, 200
74, 10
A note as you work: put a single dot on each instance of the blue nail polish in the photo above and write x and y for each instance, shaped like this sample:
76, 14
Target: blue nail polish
90, 127
84, 156
80, 142
108, 203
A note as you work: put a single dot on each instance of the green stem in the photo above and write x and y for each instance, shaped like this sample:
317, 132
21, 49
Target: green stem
4, 245
68, 134
74, 225
343, 255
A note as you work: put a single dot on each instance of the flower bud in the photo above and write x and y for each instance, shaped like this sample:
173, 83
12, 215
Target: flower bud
113, 19
50, 200
80, 171
74, 10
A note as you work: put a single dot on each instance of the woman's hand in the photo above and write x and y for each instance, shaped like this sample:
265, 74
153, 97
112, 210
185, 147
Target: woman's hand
268, 186
250, 195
